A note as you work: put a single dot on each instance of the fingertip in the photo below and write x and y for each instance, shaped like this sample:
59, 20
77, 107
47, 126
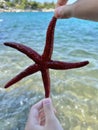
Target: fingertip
65, 11
57, 12
47, 105
46, 101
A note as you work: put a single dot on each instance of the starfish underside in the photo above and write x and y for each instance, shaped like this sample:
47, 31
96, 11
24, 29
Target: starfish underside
42, 62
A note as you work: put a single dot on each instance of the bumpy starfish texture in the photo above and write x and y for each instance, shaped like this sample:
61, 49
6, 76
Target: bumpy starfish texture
42, 62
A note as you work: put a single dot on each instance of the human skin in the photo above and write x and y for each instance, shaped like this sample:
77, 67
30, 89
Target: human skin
82, 9
35, 119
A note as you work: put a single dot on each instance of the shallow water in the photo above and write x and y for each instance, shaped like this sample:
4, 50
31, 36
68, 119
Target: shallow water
74, 92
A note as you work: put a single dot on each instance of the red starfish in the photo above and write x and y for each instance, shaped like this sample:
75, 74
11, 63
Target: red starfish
42, 62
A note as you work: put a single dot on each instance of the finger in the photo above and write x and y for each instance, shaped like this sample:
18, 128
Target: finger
61, 2
42, 117
38, 105
64, 11
48, 110
34, 113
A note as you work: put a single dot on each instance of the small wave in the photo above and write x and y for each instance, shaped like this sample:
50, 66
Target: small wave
79, 52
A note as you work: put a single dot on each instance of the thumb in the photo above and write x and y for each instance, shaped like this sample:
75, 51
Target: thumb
48, 109
65, 11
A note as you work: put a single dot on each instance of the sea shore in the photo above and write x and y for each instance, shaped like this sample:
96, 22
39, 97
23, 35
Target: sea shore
28, 10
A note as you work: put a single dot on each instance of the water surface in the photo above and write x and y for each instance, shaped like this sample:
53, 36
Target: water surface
74, 92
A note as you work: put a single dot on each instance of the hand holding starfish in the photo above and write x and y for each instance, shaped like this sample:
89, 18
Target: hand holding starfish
42, 62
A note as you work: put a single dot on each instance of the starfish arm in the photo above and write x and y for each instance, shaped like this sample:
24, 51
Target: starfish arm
65, 65
26, 50
49, 40
28, 71
46, 82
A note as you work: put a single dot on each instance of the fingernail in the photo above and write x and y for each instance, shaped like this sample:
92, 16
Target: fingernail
47, 101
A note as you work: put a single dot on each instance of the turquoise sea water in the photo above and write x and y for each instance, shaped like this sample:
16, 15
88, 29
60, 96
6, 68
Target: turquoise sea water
74, 92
